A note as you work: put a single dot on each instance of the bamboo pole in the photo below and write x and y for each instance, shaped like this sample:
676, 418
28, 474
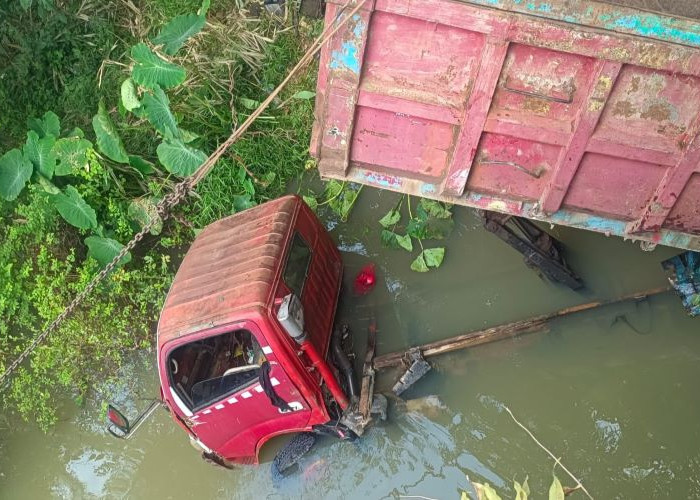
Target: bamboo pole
508, 330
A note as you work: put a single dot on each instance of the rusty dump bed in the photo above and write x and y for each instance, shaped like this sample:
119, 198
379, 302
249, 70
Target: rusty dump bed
231, 266
578, 113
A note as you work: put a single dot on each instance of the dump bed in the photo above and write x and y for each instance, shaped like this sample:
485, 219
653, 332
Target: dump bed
578, 113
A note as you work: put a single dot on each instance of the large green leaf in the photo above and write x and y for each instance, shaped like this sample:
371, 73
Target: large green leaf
435, 208
419, 264
143, 211
15, 171
434, 256
71, 153
157, 108
151, 71
177, 31
104, 250
178, 158
391, 239
130, 100
40, 152
108, 140
49, 124
74, 209
144, 166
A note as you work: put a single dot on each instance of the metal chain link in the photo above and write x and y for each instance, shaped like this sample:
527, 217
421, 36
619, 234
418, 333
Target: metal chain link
163, 208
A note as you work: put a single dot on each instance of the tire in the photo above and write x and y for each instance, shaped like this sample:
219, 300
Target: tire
293, 451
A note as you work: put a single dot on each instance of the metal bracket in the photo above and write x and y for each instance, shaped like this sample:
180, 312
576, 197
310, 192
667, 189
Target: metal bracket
417, 368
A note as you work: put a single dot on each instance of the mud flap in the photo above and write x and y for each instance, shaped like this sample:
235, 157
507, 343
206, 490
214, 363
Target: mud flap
290, 455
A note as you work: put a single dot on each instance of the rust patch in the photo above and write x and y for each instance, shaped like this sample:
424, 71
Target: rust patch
658, 112
538, 106
634, 84
624, 108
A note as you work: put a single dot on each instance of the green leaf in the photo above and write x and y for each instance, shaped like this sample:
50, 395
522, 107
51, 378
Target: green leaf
76, 132
108, 140
144, 166
249, 103
71, 154
15, 171
522, 491
157, 108
104, 250
204, 8
151, 71
311, 201
419, 264
485, 492
188, 136
242, 202
556, 492
405, 242
74, 209
435, 209
49, 124
430, 229
130, 99
143, 211
304, 94
178, 158
47, 185
434, 256
40, 152
177, 31
391, 218
26, 4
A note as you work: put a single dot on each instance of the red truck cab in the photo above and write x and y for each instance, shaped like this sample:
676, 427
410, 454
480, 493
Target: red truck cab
231, 372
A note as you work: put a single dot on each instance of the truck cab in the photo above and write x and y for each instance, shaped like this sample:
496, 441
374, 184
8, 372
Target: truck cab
246, 328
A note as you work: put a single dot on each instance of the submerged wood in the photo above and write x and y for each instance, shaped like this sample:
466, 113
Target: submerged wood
508, 330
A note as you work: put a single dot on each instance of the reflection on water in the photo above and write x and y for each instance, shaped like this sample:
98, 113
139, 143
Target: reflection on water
612, 391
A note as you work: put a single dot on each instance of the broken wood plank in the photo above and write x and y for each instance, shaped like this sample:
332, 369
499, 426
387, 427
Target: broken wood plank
508, 330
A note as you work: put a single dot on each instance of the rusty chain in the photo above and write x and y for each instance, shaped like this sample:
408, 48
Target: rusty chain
183, 188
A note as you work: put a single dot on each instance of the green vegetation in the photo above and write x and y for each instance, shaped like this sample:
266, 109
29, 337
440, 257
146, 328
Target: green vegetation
155, 86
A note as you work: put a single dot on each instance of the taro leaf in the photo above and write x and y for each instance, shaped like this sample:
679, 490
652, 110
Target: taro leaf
76, 132
311, 201
204, 8
71, 154
391, 218
47, 185
49, 124
40, 152
405, 242
143, 211
430, 229
389, 240
15, 171
242, 202
522, 491
74, 209
130, 100
304, 94
177, 31
26, 4
419, 264
556, 492
108, 140
485, 492
157, 108
434, 256
178, 158
435, 209
188, 136
104, 250
151, 71
144, 166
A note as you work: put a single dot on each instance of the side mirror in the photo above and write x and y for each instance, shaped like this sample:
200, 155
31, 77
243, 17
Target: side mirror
118, 421
119, 425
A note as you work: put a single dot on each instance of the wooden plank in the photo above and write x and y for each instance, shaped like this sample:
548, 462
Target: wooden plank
508, 330
571, 155
475, 114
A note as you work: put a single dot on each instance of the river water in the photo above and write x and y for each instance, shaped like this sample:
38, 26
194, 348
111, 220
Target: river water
613, 392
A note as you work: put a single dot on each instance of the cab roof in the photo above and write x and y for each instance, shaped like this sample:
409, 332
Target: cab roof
230, 267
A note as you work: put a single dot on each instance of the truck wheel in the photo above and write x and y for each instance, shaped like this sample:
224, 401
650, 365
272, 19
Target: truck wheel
293, 451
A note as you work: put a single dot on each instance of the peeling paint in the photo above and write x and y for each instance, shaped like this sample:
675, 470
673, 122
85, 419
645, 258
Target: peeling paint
346, 58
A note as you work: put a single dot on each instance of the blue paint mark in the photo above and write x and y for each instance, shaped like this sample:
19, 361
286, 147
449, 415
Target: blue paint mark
591, 222
346, 58
653, 26
384, 181
427, 189
359, 27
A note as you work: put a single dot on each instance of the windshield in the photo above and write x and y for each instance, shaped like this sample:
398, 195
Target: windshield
205, 371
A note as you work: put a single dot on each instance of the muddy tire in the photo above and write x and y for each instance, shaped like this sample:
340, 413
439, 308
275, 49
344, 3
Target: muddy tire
292, 453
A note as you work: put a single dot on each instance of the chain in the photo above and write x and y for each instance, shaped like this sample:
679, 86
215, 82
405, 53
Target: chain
163, 208
183, 188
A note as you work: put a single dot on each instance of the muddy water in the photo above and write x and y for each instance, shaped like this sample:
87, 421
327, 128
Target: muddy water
613, 392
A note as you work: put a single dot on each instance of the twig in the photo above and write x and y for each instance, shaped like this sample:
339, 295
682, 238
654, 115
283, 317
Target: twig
579, 485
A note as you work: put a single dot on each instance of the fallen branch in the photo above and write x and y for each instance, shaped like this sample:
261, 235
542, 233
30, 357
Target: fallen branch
557, 461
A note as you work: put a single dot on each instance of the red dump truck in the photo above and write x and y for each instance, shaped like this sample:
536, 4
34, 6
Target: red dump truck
578, 113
